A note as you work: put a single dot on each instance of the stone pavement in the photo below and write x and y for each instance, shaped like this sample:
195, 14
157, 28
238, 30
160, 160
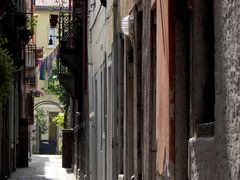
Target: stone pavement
43, 167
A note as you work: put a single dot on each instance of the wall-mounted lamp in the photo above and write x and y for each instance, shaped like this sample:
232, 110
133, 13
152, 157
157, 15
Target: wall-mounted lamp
127, 26
50, 42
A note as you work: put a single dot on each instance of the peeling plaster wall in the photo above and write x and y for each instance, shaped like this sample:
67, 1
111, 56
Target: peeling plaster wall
227, 40
218, 158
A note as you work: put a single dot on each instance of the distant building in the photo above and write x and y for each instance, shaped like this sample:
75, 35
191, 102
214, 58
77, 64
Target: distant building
45, 33
16, 113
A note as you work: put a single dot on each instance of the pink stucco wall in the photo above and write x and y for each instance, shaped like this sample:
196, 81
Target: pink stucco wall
163, 88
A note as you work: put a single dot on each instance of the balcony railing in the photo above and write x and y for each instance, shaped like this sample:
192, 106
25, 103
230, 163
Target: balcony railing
66, 30
66, 78
30, 60
70, 29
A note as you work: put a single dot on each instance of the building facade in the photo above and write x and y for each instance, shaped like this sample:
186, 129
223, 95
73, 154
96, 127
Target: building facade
17, 109
72, 66
159, 92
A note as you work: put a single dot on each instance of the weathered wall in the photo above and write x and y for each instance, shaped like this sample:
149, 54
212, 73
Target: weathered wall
221, 161
97, 37
128, 113
227, 53
109, 27
100, 49
97, 49
148, 156
201, 158
99, 126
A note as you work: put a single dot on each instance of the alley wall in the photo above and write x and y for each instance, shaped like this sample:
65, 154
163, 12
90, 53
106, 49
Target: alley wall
222, 151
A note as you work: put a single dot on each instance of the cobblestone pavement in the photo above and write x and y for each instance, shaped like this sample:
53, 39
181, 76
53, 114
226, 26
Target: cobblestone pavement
43, 167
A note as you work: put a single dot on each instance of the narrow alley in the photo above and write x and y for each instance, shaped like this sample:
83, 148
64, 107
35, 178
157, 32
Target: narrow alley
120, 89
44, 167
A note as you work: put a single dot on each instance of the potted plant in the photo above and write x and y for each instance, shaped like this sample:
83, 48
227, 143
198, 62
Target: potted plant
53, 20
31, 23
26, 32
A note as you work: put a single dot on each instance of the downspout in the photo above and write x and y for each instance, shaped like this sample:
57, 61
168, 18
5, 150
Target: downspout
115, 85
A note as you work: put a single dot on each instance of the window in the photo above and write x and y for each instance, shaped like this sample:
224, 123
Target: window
202, 69
51, 38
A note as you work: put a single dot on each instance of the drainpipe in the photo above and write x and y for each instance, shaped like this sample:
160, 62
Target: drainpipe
115, 85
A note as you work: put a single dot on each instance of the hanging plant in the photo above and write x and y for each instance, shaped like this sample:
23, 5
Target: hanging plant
32, 23
6, 73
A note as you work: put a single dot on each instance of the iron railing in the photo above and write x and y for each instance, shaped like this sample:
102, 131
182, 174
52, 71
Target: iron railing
66, 35
69, 29
30, 60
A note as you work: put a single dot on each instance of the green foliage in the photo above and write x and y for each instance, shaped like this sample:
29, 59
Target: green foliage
59, 120
41, 120
54, 87
32, 23
3, 40
6, 70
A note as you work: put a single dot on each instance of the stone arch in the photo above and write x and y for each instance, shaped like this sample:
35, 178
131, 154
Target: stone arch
48, 102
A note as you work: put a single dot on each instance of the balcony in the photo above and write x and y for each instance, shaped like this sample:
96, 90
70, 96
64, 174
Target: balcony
30, 65
24, 26
70, 53
66, 79
30, 59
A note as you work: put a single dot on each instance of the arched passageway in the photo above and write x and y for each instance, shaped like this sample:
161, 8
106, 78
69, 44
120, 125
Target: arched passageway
50, 141
41, 103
